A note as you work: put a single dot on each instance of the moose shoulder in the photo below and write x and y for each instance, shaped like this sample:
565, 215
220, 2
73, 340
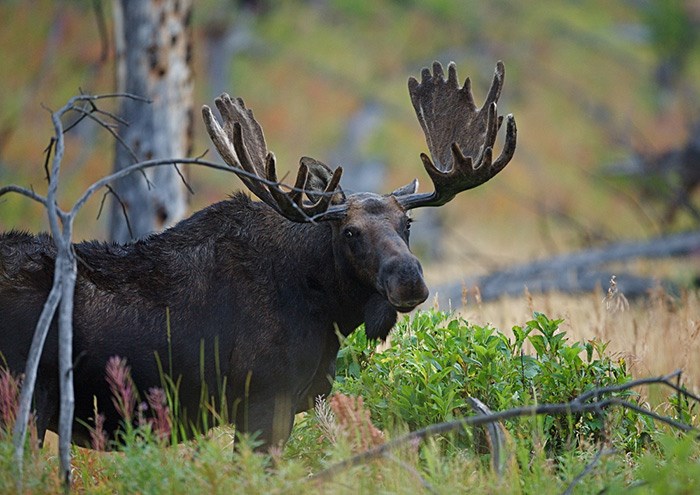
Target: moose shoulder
242, 301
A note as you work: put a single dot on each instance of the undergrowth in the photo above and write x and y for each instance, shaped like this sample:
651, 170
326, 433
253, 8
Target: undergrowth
433, 363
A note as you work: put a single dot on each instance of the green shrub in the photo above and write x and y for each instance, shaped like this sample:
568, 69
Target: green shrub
436, 361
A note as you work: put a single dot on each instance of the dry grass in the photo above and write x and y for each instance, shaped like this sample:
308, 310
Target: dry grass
654, 336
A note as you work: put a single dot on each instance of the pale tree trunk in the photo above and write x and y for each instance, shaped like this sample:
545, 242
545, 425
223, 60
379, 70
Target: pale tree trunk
153, 45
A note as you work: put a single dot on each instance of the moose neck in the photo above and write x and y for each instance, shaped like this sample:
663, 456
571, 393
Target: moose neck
308, 260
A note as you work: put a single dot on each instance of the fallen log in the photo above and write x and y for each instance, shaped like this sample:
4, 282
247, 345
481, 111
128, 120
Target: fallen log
582, 271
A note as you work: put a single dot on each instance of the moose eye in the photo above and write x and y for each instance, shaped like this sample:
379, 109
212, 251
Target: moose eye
350, 232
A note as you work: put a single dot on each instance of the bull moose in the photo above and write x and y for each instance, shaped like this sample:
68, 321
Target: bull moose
247, 298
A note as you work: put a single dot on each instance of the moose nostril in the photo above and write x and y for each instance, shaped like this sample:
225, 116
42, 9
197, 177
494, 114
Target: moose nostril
424, 293
421, 293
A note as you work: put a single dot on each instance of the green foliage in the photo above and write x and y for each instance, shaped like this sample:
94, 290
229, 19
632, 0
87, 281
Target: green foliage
673, 35
676, 470
36, 478
436, 361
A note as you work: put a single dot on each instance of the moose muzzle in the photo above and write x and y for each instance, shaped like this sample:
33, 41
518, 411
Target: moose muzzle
401, 278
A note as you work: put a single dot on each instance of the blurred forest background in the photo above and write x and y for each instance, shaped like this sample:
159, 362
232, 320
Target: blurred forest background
606, 96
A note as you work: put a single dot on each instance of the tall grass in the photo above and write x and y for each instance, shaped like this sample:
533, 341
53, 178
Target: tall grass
654, 335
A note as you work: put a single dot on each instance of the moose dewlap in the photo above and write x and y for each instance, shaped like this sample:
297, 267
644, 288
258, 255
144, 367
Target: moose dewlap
241, 302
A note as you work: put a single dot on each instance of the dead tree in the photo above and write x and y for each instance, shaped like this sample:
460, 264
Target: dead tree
154, 52
582, 271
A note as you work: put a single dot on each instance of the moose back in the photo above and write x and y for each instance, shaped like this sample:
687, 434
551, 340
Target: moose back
242, 301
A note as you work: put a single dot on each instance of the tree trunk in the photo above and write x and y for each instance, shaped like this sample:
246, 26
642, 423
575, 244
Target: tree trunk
153, 45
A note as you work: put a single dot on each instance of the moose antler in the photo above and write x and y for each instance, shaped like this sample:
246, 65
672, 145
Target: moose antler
460, 137
241, 144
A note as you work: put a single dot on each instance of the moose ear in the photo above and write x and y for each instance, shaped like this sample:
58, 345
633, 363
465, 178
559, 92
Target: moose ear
410, 188
319, 176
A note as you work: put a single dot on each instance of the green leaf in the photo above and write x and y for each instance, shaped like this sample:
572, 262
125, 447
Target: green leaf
539, 343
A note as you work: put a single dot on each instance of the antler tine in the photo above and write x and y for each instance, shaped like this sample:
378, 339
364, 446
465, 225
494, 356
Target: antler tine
497, 84
229, 140
296, 195
509, 146
459, 135
291, 204
241, 144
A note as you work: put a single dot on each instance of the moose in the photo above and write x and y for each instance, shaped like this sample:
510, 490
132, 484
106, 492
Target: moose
243, 302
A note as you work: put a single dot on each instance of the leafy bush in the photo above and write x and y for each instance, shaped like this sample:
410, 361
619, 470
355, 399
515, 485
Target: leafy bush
436, 361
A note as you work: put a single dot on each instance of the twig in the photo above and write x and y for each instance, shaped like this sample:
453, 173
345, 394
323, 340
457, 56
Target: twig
97, 185
413, 472
111, 130
184, 181
104, 96
589, 467
665, 379
641, 410
112, 116
111, 191
202, 154
83, 113
47, 160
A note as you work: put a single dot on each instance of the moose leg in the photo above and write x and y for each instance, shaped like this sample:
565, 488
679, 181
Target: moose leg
45, 412
320, 387
271, 418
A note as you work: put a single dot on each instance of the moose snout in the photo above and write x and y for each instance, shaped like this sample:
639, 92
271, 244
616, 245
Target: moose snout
403, 284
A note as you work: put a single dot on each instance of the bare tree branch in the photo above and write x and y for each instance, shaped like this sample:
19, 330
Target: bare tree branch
47, 160
61, 295
111, 115
97, 185
109, 128
24, 192
27, 389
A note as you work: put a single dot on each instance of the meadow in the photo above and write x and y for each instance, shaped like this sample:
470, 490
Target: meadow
423, 376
